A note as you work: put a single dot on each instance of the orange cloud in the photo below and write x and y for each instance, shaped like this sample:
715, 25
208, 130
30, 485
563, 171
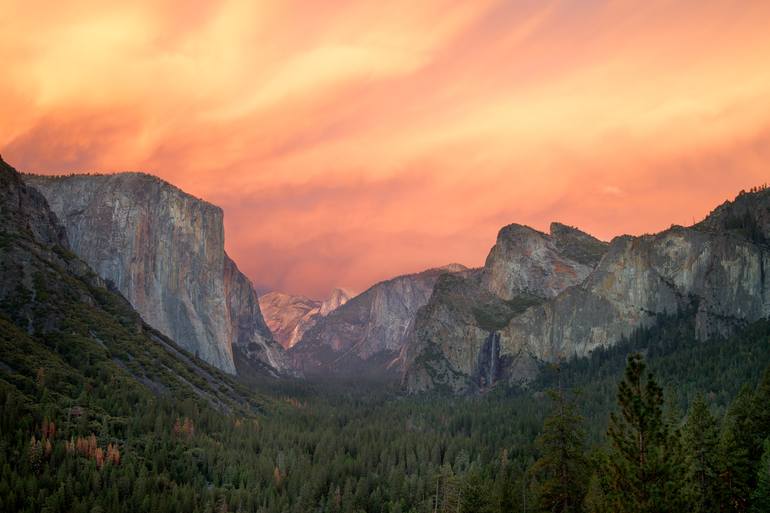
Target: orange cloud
351, 141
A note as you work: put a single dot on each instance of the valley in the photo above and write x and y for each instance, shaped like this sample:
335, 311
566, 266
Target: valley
426, 392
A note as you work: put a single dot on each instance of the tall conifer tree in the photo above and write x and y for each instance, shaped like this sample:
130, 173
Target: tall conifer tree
644, 463
562, 471
701, 440
760, 499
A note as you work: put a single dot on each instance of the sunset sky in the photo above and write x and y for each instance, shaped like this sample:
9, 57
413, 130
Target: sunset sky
348, 142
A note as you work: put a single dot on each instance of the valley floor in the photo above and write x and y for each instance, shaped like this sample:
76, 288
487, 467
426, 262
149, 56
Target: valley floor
335, 447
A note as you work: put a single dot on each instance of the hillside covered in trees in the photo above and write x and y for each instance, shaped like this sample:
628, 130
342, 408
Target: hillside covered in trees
100, 413
335, 448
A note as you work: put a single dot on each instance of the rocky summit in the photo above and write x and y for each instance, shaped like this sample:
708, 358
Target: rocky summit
543, 298
163, 250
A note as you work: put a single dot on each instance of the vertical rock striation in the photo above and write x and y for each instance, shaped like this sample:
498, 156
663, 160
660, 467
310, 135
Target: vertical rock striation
164, 251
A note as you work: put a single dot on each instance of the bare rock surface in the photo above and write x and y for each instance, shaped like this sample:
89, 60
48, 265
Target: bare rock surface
163, 249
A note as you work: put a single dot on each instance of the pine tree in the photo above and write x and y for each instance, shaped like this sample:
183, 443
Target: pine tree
562, 469
760, 499
761, 413
644, 469
475, 496
701, 440
734, 460
595, 500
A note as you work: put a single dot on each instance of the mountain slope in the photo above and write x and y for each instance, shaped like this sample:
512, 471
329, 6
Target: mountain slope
164, 251
367, 332
717, 269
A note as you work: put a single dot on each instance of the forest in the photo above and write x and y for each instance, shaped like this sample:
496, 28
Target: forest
570, 441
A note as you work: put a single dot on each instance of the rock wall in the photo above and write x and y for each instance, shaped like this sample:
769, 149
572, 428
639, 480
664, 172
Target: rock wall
464, 314
164, 251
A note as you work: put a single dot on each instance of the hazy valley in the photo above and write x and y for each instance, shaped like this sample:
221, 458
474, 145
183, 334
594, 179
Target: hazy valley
139, 370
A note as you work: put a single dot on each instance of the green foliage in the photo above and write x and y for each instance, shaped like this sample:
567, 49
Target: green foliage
760, 499
644, 467
192, 439
700, 438
734, 457
561, 472
495, 315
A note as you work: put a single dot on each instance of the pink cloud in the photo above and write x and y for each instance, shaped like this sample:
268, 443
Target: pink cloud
351, 141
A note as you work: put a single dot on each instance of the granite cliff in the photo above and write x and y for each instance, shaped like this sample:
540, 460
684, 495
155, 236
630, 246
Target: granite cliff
163, 250
470, 336
64, 326
366, 334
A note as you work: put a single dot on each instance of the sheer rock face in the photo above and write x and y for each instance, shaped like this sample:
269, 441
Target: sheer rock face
289, 317
716, 269
526, 260
164, 251
457, 332
368, 332
718, 275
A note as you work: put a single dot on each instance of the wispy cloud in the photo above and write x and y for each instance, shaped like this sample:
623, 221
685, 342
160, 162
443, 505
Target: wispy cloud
349, 141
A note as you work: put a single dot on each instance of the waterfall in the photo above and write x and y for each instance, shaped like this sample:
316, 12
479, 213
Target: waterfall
488, 360
492, 357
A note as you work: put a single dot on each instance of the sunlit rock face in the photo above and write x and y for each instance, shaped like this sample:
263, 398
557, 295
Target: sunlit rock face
715, 270
456, 341
526, 260
366, 334
289, 317
164, 251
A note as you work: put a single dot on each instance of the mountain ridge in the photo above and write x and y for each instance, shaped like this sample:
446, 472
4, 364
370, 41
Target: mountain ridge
716, 266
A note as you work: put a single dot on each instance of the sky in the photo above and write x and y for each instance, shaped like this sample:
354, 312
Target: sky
349, 142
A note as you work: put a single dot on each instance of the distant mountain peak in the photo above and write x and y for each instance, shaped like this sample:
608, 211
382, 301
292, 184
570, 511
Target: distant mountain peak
454, 267
337, 298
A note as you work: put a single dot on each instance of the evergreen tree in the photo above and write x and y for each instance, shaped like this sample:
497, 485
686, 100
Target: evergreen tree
476, 497
561, 472
760, 499
595, 500
701, 440
734, 460
644, 468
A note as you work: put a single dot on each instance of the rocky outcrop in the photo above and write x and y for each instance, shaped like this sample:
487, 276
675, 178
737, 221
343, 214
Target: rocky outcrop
715, 269
457, 333
164, 251
720, 276
289, 317
367, 333
524, 260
